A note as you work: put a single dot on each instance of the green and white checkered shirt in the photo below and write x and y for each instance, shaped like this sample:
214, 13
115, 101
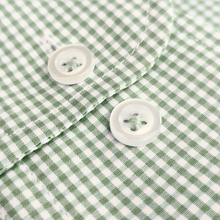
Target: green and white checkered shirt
58, 157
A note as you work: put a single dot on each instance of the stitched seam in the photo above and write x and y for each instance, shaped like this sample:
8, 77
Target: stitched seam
18, 131
51, 198
201, 42
123, 87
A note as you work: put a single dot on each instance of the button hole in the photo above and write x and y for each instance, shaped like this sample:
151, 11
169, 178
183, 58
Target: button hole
143, 122
71, 64
134, 128
126, 121
135, 114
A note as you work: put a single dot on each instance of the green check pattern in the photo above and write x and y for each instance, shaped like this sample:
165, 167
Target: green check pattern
126, 38
85, 173
205, 11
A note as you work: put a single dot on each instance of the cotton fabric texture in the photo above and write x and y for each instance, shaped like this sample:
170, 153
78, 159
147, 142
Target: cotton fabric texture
59, 159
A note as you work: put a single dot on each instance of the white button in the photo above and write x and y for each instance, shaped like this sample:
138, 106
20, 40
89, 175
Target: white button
71, 64
135, 122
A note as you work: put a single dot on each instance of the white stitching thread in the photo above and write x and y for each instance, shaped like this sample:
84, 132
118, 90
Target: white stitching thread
48, 195
101, 99
197, 39
31, 124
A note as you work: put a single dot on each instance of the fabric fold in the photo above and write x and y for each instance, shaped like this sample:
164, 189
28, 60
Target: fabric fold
125, 37
85, 173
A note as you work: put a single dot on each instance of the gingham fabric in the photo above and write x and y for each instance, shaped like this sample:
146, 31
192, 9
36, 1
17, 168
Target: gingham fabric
206, 11
126, 37
85, 173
